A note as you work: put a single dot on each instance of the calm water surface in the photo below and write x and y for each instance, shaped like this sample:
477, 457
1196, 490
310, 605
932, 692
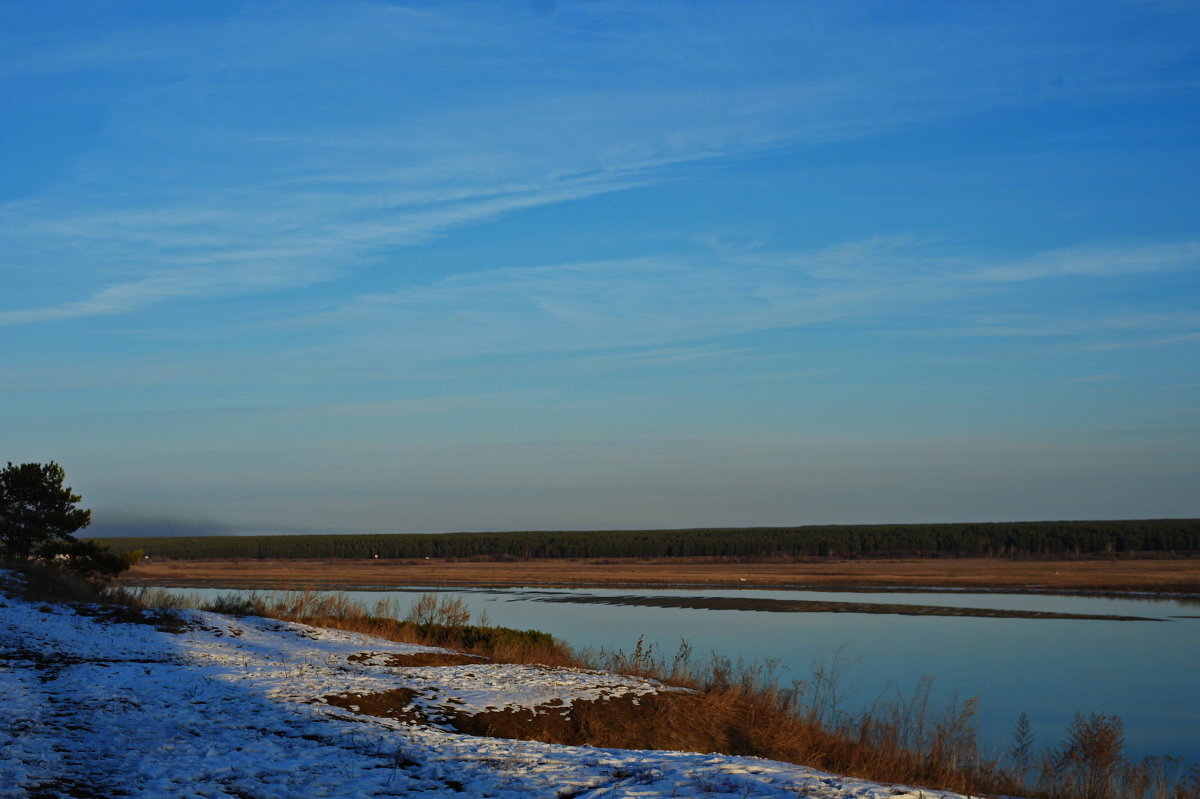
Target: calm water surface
1146, 672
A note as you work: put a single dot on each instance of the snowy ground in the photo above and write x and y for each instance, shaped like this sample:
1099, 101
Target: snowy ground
232, 707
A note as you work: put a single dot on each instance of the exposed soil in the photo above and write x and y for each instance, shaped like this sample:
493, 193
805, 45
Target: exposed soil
1073, 576
162, 620
647, 721
417, 659
394, 704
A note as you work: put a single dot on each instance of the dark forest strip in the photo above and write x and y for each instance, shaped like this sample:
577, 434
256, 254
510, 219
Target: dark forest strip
999, 539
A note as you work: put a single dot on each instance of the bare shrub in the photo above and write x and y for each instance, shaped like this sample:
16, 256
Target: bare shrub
1089, 764
423, 611
429, 610
237, 604
1022, 747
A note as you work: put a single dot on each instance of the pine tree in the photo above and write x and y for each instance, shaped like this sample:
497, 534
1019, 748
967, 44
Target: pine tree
38, 514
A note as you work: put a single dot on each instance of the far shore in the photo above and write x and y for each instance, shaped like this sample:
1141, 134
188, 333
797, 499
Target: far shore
1116, 576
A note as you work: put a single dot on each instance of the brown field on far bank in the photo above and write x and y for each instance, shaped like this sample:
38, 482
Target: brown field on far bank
1165, 576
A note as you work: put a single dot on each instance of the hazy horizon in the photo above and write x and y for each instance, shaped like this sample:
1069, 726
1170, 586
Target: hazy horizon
413, 266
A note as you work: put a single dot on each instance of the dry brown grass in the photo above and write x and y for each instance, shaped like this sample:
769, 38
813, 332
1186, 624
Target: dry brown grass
1158, 575
743, 709
445, 624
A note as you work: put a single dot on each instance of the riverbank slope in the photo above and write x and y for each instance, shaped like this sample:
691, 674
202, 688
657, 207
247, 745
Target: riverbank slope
144, 704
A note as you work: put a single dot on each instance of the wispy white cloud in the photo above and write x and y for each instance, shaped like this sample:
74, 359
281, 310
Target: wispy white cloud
1145, 343
1048, 324
899, 284
256, 243
656, 357
600, 304
135, 295
1095, 261
1094, 379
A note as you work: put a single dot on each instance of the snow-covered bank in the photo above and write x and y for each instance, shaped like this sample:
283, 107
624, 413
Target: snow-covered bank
232, 707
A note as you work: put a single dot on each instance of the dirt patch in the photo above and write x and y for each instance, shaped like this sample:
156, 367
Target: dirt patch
643, 722
48, 665
417, 659
161, 620
651, 721
394, 704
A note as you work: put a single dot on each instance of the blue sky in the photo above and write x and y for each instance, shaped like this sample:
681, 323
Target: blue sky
369, 266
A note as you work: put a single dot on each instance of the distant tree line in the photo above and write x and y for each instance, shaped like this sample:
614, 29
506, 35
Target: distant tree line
1016, 539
